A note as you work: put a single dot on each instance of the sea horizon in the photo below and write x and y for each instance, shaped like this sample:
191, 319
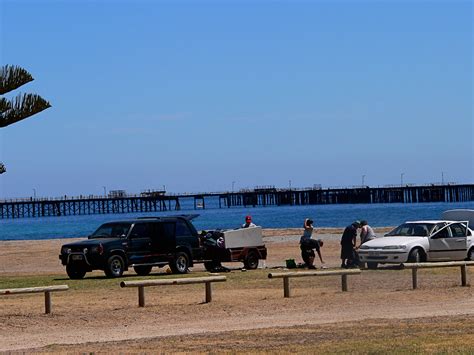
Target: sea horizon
327, 216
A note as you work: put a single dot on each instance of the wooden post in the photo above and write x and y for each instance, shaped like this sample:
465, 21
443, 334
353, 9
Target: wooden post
286, 287
208, 292
463, 275
47, 302
141, 296
344, 282
414, 278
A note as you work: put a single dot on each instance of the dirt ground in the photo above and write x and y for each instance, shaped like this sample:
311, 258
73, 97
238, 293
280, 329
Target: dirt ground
96, 315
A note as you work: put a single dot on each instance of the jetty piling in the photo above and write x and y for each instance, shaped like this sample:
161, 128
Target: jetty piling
159, 201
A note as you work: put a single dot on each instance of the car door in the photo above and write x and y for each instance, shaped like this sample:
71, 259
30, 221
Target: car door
449, 242
458, 241
440, 242
163, 240
139, 245
186, 236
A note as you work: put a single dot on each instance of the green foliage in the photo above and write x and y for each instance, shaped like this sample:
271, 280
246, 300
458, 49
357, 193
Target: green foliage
12, 77
23, 105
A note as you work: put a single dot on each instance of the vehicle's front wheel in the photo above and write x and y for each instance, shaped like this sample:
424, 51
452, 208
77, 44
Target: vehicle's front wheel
142, 270
251, 260
414, 256
372, 266
470, 255
180, 263
115, 266
75, 272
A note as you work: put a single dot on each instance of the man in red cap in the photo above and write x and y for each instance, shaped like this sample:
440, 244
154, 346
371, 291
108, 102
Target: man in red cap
248, 222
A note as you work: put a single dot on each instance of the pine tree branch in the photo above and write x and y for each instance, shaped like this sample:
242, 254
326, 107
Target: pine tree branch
5, 105
2, 168
23, 106
12, 77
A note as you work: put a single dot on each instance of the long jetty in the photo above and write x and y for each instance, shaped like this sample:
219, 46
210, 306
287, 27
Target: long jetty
157, 201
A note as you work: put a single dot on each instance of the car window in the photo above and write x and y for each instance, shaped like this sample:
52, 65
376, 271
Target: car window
437, 227
113, 230
412, 229
458, 230
163, 231
440, 231
182, 229
140, 230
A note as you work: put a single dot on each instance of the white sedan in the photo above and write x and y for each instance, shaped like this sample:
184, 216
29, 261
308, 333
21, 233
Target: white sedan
417, 241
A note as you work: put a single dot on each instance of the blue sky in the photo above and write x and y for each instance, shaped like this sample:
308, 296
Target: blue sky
194, 95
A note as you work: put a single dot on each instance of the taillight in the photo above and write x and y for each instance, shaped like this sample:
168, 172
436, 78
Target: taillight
100, 249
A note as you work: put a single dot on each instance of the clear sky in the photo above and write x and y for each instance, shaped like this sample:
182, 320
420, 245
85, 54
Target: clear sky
195, 95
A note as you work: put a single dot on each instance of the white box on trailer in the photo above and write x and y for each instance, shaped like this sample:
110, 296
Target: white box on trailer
243, 237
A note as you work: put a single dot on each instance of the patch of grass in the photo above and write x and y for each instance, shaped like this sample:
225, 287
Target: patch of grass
439, 335
97, 280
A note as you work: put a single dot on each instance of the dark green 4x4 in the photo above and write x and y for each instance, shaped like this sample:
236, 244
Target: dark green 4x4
140, 243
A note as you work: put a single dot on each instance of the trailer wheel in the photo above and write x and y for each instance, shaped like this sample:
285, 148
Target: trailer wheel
251, 260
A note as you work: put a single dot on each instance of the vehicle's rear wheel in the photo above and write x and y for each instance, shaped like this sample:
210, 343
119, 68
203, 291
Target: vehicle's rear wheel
251, 260
180, 263
115, 266
372, 266
74, 272
414, 256
142, 270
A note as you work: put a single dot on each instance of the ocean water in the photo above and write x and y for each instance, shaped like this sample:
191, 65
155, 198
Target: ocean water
378, 215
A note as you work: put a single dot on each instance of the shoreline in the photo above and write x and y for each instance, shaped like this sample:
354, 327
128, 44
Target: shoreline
267, 232
41, 256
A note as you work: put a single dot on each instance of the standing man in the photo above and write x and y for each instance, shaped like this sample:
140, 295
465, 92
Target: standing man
348, 243
248, 222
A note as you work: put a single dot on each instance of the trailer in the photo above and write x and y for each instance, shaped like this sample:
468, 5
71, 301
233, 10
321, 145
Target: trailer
236, 245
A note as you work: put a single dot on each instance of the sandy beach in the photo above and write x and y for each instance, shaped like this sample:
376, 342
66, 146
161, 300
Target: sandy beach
97, 315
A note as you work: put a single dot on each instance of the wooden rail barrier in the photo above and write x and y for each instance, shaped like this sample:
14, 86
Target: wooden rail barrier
46, 289
415, 266
286, 277
184, 281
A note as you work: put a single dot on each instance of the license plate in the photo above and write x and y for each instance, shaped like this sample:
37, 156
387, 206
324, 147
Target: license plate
374, 253
76, 257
